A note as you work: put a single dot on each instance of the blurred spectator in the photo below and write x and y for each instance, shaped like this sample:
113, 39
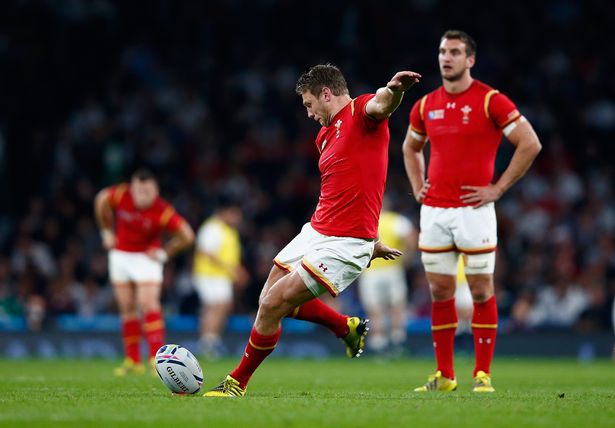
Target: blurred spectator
28, 252
557, 305
9, 304
90, 299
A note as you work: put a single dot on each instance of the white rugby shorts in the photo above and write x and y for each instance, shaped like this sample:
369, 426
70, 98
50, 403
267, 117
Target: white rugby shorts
466, 230
213, 290
125, 266
325, 263
383, 288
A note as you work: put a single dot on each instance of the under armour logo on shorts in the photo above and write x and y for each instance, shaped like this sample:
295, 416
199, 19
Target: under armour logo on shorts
322, 267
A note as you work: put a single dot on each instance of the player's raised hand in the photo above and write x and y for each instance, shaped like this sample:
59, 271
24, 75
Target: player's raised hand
384, 252
480, 195
403, 80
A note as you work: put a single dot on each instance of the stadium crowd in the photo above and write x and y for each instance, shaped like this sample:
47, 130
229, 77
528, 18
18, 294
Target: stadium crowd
203, 94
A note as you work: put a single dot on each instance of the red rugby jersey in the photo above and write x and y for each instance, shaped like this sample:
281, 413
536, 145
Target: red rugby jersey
137, 230
464, 132
353, 167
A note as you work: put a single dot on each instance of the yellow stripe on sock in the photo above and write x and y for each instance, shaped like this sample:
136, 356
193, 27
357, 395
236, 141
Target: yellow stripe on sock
443, 326
484, 325
132, 339
260, 348
154, 325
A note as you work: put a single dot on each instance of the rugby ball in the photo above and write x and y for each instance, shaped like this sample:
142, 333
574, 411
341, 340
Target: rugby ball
178, 369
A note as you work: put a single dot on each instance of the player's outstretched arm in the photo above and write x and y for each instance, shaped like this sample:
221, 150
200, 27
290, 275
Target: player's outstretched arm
388, 98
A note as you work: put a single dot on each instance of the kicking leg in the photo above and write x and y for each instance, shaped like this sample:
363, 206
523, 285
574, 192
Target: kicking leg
313, 311
280, 299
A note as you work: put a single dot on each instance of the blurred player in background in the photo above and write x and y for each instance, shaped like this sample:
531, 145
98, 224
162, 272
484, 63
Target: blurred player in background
132, 217
463, 120
337, 245
382, 287
217, 267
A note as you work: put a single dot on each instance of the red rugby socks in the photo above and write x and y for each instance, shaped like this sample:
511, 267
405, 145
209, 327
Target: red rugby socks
258, 348
131, 337
153, 330
443, 327
484, 329
320, 313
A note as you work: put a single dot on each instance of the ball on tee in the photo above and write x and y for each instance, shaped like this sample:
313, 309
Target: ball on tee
178, 369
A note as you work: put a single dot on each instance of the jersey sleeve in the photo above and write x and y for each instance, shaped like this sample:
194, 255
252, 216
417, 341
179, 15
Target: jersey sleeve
116, 193
501, 110
358, 109
417, 122
170, 220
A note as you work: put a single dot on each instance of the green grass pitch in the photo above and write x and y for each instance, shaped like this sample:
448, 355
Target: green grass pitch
312, 393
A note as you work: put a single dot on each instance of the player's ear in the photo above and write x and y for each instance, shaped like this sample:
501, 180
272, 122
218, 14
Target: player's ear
470, 61
326, 93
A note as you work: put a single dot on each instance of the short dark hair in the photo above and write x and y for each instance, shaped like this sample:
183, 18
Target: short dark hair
320, 76
143, 174
464, 37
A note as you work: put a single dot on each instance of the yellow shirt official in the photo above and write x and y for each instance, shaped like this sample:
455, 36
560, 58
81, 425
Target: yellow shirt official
393, 228
217, 238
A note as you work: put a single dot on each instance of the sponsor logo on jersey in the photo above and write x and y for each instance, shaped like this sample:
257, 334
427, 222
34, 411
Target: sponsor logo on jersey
435, 114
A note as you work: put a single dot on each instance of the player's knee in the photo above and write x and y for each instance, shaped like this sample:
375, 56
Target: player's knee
482, 294
261, 296
270, 305
480, 264
126, 305
148, 303
442, 263
481, 287
128, 312
442, 291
